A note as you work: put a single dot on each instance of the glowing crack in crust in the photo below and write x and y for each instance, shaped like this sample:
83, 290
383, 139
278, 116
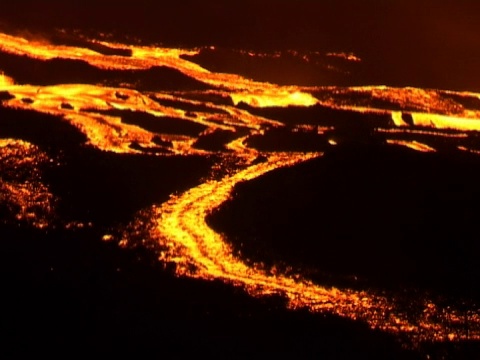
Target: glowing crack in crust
180, 222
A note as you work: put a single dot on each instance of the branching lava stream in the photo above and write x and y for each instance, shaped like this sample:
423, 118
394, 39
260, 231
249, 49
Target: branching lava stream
198, 250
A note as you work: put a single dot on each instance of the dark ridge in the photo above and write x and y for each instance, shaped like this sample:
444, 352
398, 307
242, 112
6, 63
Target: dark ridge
214, 98
216, 141
159, 141
149, 150
69, 40
162, 78
408, 118
287, 69
461, 350
319, 115
26, 70
178, 104
472, 142
50, 133
468, 102
95, 186
284, 139
163, 125
365, 99
348, 126
66, 106
440, 143
121, 96
394, 54
93, 296
5, 96
393, 217
108, 189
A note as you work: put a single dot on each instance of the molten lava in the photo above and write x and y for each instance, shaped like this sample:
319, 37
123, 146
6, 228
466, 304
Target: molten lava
180, 223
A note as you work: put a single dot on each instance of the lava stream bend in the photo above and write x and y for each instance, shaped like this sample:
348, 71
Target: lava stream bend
200, 252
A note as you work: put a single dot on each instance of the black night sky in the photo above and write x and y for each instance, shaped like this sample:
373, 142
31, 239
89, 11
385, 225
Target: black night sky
436, 43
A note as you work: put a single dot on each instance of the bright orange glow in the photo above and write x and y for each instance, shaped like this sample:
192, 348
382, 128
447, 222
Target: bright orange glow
29, 201
275, 98
447, 122
5, 81
456, 135
422, 104
345, 56
463, 148
397, 119
415, 145
180, 222
181, 226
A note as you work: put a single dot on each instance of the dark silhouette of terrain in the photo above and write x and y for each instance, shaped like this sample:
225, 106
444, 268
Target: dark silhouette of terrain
469, 102
5, 95
96, 186
56, 71
152, 123
178, 104
320, 70
284, 139
51, 134
60, 38
320, 115
216, 140
366, 214
211, 97
68, 289
401, 43
348, 127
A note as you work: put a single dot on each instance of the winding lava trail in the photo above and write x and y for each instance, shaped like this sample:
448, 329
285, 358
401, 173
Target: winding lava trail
180, 223
202, 253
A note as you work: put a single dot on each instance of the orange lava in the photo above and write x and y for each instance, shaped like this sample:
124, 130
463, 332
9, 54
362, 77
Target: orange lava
180, 222
27, 198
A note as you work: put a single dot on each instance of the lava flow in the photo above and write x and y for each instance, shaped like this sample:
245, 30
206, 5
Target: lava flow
96, 110
194, 245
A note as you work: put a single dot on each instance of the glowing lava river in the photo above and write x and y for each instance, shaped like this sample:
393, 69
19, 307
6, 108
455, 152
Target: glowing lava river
236, 118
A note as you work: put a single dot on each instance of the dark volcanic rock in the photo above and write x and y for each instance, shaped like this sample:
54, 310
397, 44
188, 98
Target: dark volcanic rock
178, 104
149, 150
66, 106
284, 139
407, 117
121, 96
469, 102
216, 141
5, 96
26, 70
214, 98
63, 39
67, 288
272, 68
50, 133
389, 216
107, 189
28, 101
95, 186
163, 125
320, 115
